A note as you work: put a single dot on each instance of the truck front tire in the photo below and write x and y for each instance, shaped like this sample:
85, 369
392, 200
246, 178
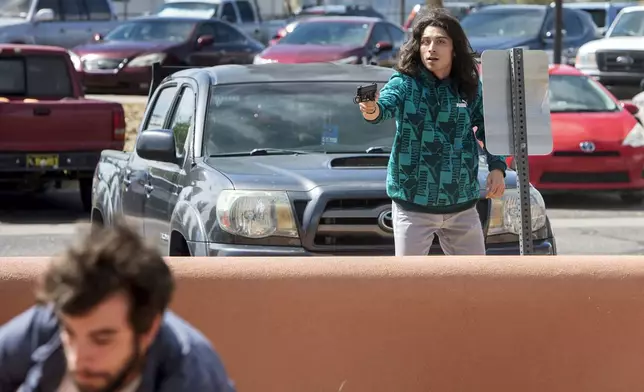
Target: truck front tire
85, 188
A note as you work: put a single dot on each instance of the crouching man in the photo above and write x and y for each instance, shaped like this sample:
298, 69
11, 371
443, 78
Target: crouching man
102, 325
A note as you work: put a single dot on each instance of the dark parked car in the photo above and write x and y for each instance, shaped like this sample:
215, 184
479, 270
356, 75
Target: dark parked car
529, 27
340, 39
273, 160
121, 61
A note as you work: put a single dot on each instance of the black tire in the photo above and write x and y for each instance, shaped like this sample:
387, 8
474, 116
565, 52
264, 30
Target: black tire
85, 188
632, 197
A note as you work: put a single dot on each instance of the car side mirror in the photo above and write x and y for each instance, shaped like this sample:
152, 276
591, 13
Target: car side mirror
205, 40
631, 108
157, 145
44, 15
384, 46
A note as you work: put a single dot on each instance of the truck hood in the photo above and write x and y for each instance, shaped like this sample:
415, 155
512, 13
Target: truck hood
286, 53
7, 22
479, 44
615, 43
306, 172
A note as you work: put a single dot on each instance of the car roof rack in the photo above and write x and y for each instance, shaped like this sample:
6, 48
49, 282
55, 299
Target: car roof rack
160, 72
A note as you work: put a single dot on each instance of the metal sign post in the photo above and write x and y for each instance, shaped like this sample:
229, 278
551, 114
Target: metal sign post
520, 140
515, 99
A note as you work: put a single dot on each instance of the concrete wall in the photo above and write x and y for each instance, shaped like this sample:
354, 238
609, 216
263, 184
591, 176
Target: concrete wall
530, 324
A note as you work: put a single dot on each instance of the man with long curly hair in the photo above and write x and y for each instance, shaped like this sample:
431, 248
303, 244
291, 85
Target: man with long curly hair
435, 97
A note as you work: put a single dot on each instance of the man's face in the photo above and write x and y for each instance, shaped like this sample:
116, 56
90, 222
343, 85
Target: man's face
436, 50
100, 346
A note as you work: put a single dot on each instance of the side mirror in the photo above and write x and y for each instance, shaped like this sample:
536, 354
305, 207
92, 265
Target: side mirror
384, 46
631, 108
44, 15
98, 37
205, 40
157, 145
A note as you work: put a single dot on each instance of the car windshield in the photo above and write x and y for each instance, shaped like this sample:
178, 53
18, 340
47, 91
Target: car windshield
573, 93
504, 23
35, 77
630, 24
328, 33
189, 8
14, 8
316, 116
152, 30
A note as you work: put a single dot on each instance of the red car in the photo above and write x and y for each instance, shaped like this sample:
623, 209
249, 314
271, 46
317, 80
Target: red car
341, 39
598, 142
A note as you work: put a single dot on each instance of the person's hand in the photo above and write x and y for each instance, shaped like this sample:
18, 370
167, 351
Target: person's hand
495, 184
369, 107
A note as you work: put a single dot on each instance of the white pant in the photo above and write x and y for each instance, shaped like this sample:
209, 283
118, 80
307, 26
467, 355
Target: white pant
459, 233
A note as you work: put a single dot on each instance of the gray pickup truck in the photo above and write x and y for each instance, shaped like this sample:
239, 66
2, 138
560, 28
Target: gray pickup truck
67, 23
272, 160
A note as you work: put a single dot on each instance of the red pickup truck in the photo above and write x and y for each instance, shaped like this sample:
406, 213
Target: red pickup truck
49, 132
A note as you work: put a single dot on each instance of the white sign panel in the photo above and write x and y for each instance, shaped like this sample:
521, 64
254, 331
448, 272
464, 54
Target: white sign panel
497, 102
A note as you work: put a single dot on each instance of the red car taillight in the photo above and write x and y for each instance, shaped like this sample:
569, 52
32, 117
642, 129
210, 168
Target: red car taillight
118, 125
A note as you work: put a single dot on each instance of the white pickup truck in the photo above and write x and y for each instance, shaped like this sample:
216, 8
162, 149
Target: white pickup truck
617, 60
243, 13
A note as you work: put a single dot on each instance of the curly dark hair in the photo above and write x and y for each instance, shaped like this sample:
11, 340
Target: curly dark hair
464, 72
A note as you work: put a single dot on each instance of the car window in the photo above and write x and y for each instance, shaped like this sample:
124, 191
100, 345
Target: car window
578, 94
572, 24
54, 5
630, 24
35, 77
397, 34
598, 15
183, 119
504, 23
161, 108
328, 33
225, 34
73, 10
379, 34
228, 13
97, 9
246, 12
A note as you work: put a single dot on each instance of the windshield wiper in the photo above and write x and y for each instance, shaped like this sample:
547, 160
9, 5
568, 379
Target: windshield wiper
265, 151
378, 150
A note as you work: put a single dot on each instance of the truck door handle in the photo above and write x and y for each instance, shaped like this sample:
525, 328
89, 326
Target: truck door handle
42, 111
148, 188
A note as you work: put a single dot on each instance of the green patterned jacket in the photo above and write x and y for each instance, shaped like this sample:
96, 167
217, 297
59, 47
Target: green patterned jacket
434, 161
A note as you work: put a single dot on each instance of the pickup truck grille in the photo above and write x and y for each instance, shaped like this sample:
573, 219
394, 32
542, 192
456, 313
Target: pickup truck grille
102, 64
356, 225
621, 61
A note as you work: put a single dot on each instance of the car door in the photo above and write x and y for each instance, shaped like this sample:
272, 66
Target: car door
229, 46
165, 179
135, 179
50, 32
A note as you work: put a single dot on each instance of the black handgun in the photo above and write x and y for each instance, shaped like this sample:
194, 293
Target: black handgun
366, 93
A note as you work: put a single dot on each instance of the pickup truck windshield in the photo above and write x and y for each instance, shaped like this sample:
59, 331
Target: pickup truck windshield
312, 116
504, 23
35, 76
14, 8
152, 30
576, 94
630, 24
328, 33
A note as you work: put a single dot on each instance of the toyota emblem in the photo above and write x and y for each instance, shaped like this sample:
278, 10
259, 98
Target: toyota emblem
386, 222
587, 147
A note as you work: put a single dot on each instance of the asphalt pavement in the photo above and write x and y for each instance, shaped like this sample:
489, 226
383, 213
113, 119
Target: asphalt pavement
42, 224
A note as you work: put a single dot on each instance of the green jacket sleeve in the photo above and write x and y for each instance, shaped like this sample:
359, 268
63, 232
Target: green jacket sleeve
493, 161
392, 98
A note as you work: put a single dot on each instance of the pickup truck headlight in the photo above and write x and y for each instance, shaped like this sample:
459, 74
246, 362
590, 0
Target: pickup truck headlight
256, 214
635, 137
147, 60
505, 214
586, 60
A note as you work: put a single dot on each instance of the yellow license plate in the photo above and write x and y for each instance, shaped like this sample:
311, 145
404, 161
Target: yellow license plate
43, 161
